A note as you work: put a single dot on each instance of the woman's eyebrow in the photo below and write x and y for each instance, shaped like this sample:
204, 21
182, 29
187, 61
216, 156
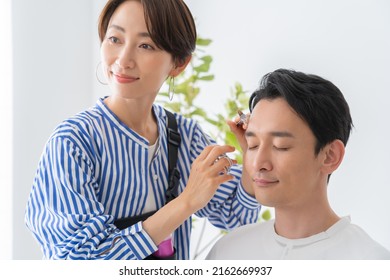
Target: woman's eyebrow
117, 27
121, 29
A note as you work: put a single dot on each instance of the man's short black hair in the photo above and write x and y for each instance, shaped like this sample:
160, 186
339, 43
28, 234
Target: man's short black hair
316, 100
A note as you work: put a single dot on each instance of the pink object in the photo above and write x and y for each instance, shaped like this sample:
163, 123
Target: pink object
165, 249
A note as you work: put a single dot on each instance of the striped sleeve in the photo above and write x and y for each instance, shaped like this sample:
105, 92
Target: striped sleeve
65, 216
231, 205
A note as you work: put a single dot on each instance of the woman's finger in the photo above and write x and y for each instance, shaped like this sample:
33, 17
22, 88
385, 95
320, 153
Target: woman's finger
218, 151
203, 155
239, 132
223, 164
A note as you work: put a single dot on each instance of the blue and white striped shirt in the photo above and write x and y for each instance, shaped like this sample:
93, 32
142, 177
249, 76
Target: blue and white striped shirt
94, 169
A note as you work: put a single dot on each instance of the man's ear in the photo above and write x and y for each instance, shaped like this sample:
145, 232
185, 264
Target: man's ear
180, 66
333, 156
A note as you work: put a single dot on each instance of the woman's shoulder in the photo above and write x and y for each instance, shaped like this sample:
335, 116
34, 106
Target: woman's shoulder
80, 124
184, 124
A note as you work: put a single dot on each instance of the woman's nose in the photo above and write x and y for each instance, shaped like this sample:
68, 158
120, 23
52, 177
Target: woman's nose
126, 59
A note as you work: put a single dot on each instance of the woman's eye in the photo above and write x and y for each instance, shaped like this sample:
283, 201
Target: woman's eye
146, 47
113, 39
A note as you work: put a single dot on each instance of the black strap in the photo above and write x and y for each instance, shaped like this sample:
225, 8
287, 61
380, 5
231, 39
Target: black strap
173, 146
174, 140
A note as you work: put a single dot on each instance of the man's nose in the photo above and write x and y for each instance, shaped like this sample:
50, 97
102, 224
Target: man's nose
262, 161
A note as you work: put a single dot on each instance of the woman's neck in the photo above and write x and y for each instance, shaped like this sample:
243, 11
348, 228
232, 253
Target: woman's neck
136, 115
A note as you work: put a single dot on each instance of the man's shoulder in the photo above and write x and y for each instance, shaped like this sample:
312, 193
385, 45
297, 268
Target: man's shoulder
250, 232
244, 242
359, 244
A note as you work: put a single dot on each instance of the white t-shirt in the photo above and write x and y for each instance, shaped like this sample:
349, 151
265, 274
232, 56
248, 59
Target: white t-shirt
150, 203
342, 241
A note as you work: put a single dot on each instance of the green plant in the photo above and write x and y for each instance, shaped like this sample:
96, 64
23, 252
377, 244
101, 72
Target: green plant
187, 89
187, 85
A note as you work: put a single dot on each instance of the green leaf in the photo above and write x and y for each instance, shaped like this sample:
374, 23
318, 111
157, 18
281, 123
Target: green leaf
204, 67
266, 215
174, 106
206, 78
238, 87
211, 121
207, 59
164, 94
183, 87
232, 140
198, 112
203, 42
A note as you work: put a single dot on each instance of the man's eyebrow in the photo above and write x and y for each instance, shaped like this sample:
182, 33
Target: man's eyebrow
249, 134
272, 133
282, 134
121, 29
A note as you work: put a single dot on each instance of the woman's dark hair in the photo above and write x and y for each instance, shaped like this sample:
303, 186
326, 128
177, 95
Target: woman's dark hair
317, 101
169, 22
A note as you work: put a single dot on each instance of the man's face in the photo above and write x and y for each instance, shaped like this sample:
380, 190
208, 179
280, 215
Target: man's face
280, 157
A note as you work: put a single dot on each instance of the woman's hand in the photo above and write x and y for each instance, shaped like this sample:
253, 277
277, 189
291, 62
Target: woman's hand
208, 171
239, 132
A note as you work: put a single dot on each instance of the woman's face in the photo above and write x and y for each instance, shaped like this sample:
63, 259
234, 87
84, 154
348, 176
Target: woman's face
134, 66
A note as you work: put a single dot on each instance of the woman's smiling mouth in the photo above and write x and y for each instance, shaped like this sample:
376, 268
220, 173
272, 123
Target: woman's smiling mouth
124, 79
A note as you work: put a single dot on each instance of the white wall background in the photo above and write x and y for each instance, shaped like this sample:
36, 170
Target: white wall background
6, 127
56, 50
53, 78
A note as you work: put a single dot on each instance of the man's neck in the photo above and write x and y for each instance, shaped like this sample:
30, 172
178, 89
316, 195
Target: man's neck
302, 223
